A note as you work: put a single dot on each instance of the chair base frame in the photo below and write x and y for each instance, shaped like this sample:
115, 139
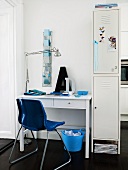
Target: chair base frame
22, 157
45, 148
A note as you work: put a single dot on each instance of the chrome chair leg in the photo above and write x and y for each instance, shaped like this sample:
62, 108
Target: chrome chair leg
16, 160
42, 161
46, 143
67, 152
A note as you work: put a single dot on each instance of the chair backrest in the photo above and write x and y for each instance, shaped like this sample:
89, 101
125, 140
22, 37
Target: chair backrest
32, 115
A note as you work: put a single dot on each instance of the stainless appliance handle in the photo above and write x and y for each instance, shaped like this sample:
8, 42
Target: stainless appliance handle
124, 65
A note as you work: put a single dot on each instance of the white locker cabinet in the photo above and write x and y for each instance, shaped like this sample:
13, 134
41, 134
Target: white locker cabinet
106, 77
105, 108
106, 33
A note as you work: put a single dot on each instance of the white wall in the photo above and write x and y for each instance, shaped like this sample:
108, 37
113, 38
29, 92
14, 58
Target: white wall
71, 23
116, 1
19, 52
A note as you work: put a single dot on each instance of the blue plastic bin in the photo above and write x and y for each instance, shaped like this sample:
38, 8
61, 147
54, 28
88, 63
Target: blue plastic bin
73, 143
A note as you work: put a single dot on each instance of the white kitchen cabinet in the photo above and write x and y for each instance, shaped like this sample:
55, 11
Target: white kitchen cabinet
124, 30
106, 30
106, 107
124, 55
124, 14
124, 45
124, 101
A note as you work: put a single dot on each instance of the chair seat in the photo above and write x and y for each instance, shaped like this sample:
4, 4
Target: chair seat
51, 125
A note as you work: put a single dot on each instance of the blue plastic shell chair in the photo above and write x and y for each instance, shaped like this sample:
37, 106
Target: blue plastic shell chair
32, 116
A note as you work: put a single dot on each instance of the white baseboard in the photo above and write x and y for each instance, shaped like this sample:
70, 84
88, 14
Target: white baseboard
52, 135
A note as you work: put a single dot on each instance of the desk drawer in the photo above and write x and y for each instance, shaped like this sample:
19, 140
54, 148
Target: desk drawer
47, 102
73, 104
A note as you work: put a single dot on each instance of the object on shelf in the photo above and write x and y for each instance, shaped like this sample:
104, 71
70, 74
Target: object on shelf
106, 5
105, 148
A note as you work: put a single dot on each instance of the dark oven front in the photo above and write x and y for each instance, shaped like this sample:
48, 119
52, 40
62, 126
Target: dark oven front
124, 72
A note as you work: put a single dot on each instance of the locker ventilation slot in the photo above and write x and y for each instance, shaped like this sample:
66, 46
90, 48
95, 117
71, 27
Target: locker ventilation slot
106, 85
106, 19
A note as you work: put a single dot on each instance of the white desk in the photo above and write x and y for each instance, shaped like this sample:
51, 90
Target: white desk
67, 102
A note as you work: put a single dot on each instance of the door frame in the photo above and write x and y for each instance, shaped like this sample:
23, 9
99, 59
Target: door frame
18, 49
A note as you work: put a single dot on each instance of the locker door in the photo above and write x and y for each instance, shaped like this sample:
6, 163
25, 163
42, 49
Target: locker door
105, 108
106, 27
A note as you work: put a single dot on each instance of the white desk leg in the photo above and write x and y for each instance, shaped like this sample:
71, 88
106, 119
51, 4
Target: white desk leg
87, 129
35, 134
22, 139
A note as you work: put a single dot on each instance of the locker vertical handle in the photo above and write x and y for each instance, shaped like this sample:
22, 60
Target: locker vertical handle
95, 55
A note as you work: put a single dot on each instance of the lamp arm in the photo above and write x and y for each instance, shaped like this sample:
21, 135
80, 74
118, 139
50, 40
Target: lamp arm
55, 50
33, 53
41, 52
